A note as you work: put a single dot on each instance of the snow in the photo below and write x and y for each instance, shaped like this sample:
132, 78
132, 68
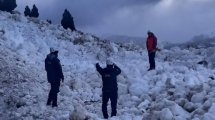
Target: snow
178, 89
166, 114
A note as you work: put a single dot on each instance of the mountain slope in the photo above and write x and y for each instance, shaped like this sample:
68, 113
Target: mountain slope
178, 89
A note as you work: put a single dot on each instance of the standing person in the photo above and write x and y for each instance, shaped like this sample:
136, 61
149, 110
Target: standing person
151, 45
54, 75
110, 87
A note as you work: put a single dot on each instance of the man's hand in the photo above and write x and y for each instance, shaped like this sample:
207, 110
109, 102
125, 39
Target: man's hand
154, 50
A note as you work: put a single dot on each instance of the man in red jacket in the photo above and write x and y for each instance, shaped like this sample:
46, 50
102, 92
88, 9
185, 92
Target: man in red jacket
151, 45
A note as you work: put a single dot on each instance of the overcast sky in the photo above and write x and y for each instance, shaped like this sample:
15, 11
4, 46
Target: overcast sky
170, 20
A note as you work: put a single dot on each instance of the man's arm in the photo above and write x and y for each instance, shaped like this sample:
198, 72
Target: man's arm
118, 70
98, 68
155, 43
59, 69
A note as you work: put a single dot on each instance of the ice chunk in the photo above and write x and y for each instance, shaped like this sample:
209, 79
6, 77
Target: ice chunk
166, 114
138, 89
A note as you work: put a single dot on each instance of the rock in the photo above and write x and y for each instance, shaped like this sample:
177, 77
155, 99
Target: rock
79, 114
21, 102
65, 91
181, 101
166, 114
138, 89
135, 99
189, 106
208, 116
178, 118
212, 83
179, 111
97, 91
195, 119
1, 92
198, 97
212, 109
146, 116
207, 105
144, 104
170, 83
205, 63
122, 89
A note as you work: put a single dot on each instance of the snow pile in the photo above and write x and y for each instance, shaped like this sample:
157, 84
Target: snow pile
178, 89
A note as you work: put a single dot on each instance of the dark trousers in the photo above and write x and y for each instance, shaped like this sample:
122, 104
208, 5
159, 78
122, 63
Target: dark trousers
53, 95
151, 59
105, 98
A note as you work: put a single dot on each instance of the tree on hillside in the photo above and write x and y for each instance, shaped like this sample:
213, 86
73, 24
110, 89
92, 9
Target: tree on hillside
2, 7
67, 21
7, 5
27, 11
34, 12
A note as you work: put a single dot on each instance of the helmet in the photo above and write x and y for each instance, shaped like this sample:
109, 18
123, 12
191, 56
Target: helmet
52, 49
149, 31
109, 62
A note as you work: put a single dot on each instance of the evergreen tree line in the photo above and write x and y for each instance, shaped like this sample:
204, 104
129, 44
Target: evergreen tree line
7, 5
31, 13
10, 5
66, 22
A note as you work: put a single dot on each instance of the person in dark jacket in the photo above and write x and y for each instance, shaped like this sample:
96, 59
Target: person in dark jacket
110, 87
151, 45
54, 75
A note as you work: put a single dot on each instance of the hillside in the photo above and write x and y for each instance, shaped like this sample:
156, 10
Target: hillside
201, 41
178, 89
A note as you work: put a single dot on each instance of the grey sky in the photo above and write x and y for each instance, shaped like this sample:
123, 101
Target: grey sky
171, 20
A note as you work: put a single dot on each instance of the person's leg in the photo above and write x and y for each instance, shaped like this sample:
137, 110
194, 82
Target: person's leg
149, 59
50, 96
153, 60
113, 99
105, 99
55, 92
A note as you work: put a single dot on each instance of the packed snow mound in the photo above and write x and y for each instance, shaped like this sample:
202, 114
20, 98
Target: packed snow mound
178, 89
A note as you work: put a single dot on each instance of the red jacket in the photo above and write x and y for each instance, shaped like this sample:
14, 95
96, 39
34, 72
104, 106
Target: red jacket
151, 42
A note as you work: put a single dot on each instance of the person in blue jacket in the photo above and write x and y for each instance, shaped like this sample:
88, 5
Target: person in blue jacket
54, 75
110, 87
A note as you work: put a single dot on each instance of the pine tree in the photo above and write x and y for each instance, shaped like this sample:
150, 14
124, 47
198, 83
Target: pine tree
67, 21
2, 6
10, 5
7, 5
34, 12
27, 11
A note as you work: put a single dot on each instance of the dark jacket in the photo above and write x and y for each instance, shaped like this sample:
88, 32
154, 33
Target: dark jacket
53, 69
109, 77
151, 42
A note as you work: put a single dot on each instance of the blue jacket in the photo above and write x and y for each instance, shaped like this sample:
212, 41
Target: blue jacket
109, 77
53, 69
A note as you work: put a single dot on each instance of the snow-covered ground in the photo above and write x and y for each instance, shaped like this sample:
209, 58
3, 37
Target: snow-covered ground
179, 89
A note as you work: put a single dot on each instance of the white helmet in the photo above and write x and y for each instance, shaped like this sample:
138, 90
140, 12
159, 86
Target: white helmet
109, 61
149, 31
52, 49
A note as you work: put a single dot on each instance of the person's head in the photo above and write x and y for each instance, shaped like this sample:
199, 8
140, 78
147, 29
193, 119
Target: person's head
109, 62
54, 51
149, 33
